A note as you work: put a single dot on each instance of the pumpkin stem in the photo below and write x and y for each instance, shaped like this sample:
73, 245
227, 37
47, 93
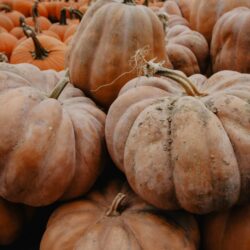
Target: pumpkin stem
63, 17
157, 68
113, 210
60, 86
35, 15
145, 3
132, 2
78, 14
164, 20
5, 7
40, 53
3, 58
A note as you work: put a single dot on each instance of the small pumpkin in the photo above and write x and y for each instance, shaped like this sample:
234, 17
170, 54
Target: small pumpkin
8, 43
44, 51
183, 143
113, 217
227, 230
50, 147
101, 68
231, 41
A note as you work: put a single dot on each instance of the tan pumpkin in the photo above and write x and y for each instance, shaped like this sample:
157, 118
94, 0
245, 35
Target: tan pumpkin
114, 218
50, 148
231, 41
203, 14
227, 230
187, 49
99, 56
182, 144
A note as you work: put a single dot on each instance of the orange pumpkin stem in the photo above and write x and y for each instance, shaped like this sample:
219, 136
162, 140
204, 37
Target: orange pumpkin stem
60, 86
156, 68
114, 208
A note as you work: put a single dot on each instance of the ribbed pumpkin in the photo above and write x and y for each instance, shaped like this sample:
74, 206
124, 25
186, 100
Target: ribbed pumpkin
203, 14
227, 230
6, 22
115, 218
230, 46
110, 33
184, 149
50, 148
187, 49
12, 221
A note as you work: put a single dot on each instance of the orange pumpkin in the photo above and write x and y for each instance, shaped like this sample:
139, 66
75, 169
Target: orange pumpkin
181, 144
55, 129
5, 22
8, 43
231, 41
113, 217
45, 52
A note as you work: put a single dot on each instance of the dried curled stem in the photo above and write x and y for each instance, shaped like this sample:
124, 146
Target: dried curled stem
116, 204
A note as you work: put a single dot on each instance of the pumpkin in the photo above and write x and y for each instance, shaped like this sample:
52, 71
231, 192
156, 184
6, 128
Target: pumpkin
12, 220
5, 22
99, 56
50, 148
183, 146
114, 218
227, 230
45, 52
231, 41
12, 14
187, 49
203, 14
8, 43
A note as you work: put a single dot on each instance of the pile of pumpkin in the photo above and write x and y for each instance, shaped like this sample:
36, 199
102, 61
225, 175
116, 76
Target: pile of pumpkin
125, 125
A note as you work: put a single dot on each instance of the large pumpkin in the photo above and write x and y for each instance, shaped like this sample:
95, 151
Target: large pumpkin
183, 149
110, 33
227, 230
50, 148
115, 218
230, 45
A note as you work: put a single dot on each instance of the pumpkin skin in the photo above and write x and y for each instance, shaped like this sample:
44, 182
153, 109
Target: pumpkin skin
227, 230
12, 220
186, 49
231, 41
179, 151
137, 226
43, 152
8, 43
53, 60
93, 64
203, 14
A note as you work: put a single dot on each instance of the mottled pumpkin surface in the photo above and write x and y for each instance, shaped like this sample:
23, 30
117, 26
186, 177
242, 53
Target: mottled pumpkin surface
182, 151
